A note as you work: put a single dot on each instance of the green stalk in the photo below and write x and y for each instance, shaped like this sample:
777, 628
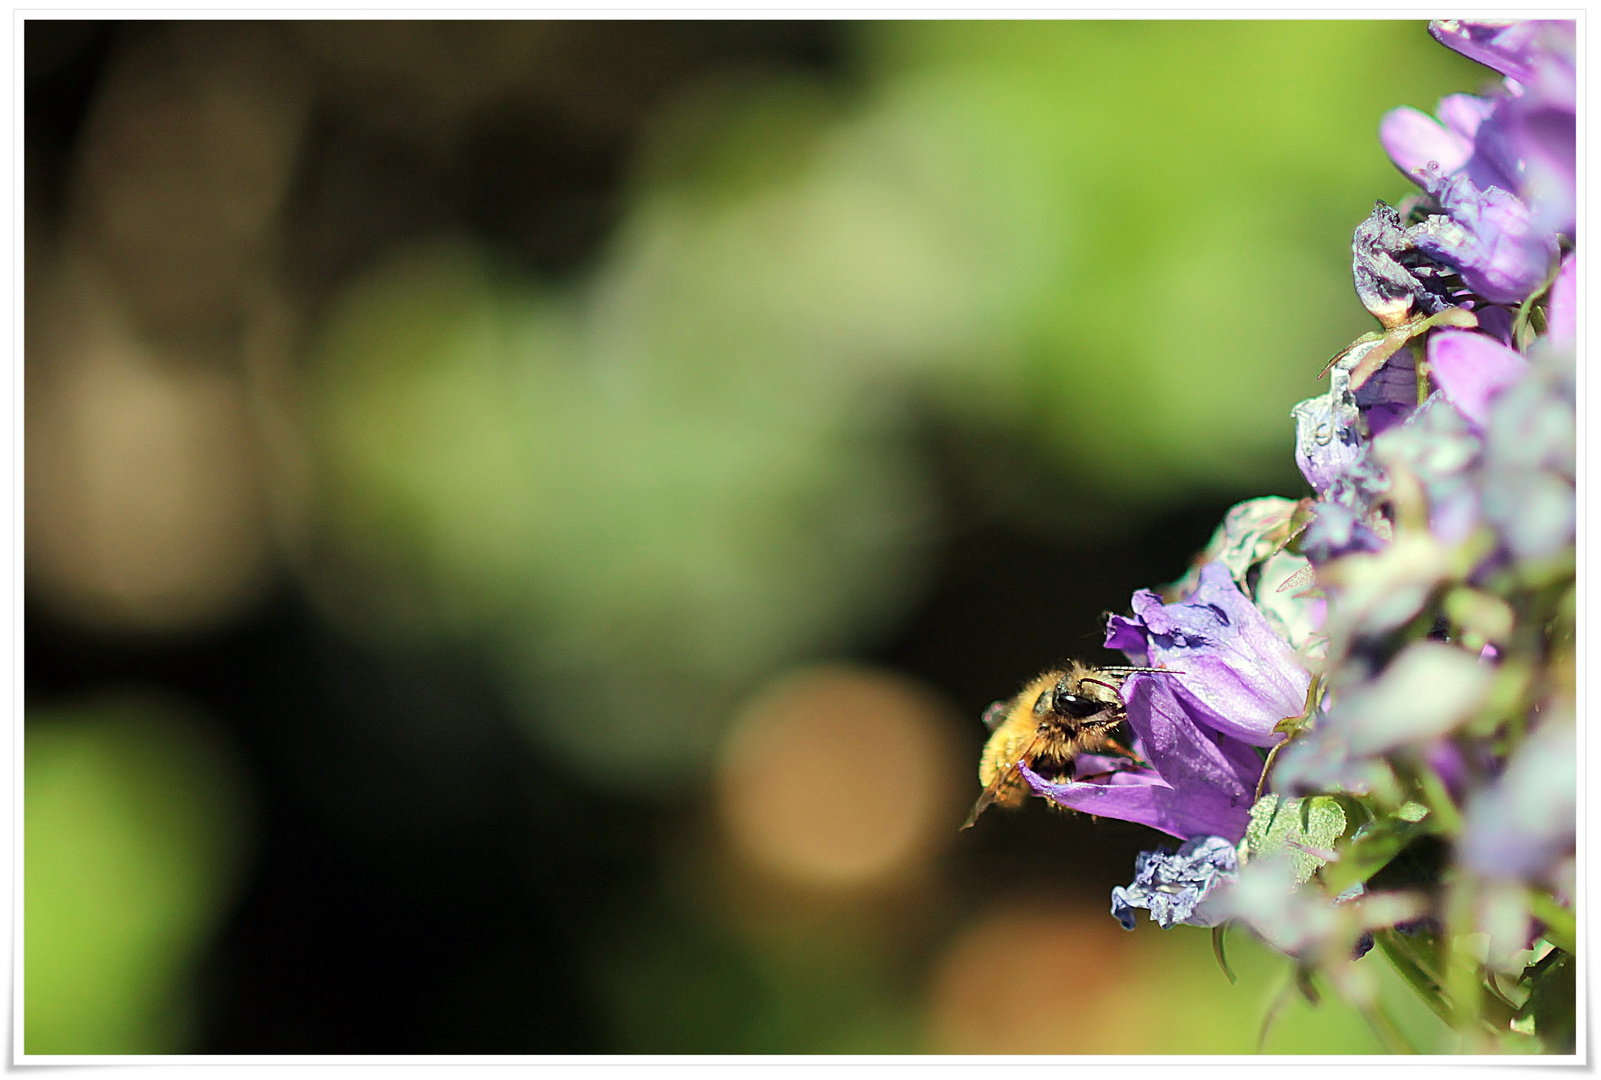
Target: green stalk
1386, 1029
1401, 958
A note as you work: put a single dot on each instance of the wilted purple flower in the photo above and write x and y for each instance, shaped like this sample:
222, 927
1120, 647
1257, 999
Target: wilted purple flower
1435, 444
1196, 780
1174, 887
1328, 438
1471, 369
1523, 825
1235, 666
1392, 279
1487, 236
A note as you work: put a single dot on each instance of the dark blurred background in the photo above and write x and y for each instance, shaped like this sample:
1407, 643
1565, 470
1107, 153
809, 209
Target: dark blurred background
523, 518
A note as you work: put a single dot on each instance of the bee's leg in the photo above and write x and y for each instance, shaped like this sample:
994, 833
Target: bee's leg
1096, 776
1122, 751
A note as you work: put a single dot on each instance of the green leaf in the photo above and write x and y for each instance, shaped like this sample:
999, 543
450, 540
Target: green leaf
133, 839
1561, 928
1375, 845
1553, 1004
1298, 827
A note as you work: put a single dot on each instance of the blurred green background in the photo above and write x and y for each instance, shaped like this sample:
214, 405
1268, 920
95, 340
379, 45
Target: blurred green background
523, 518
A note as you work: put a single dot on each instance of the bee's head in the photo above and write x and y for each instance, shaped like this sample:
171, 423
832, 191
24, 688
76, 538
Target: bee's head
1080, 699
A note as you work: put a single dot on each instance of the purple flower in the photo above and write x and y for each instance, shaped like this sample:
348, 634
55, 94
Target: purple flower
1414, 139
1471, 369
1235, 667
1440, 448
1174, 887
1337, 531
1195, 781
1514, 47
1521, 139
1529, 458
1488, 236
1539, 129
1562, 308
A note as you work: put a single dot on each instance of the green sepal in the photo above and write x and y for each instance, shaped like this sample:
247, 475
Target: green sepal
1522, 330
1217, 951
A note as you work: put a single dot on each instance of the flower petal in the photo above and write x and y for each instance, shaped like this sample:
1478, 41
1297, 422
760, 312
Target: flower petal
1509, 46
1232, 662
1390, 394
1145, 800
1463, 113
1182, 740
1562, 310
1413, 139
1472, 369
1489, 237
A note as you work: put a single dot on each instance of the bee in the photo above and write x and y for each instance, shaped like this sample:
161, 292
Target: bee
1058, 716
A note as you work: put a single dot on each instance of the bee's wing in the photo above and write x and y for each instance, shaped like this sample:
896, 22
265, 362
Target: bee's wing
995, 715
1001, 778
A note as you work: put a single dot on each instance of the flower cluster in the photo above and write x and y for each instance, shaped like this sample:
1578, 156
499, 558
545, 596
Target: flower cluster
1364, 726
